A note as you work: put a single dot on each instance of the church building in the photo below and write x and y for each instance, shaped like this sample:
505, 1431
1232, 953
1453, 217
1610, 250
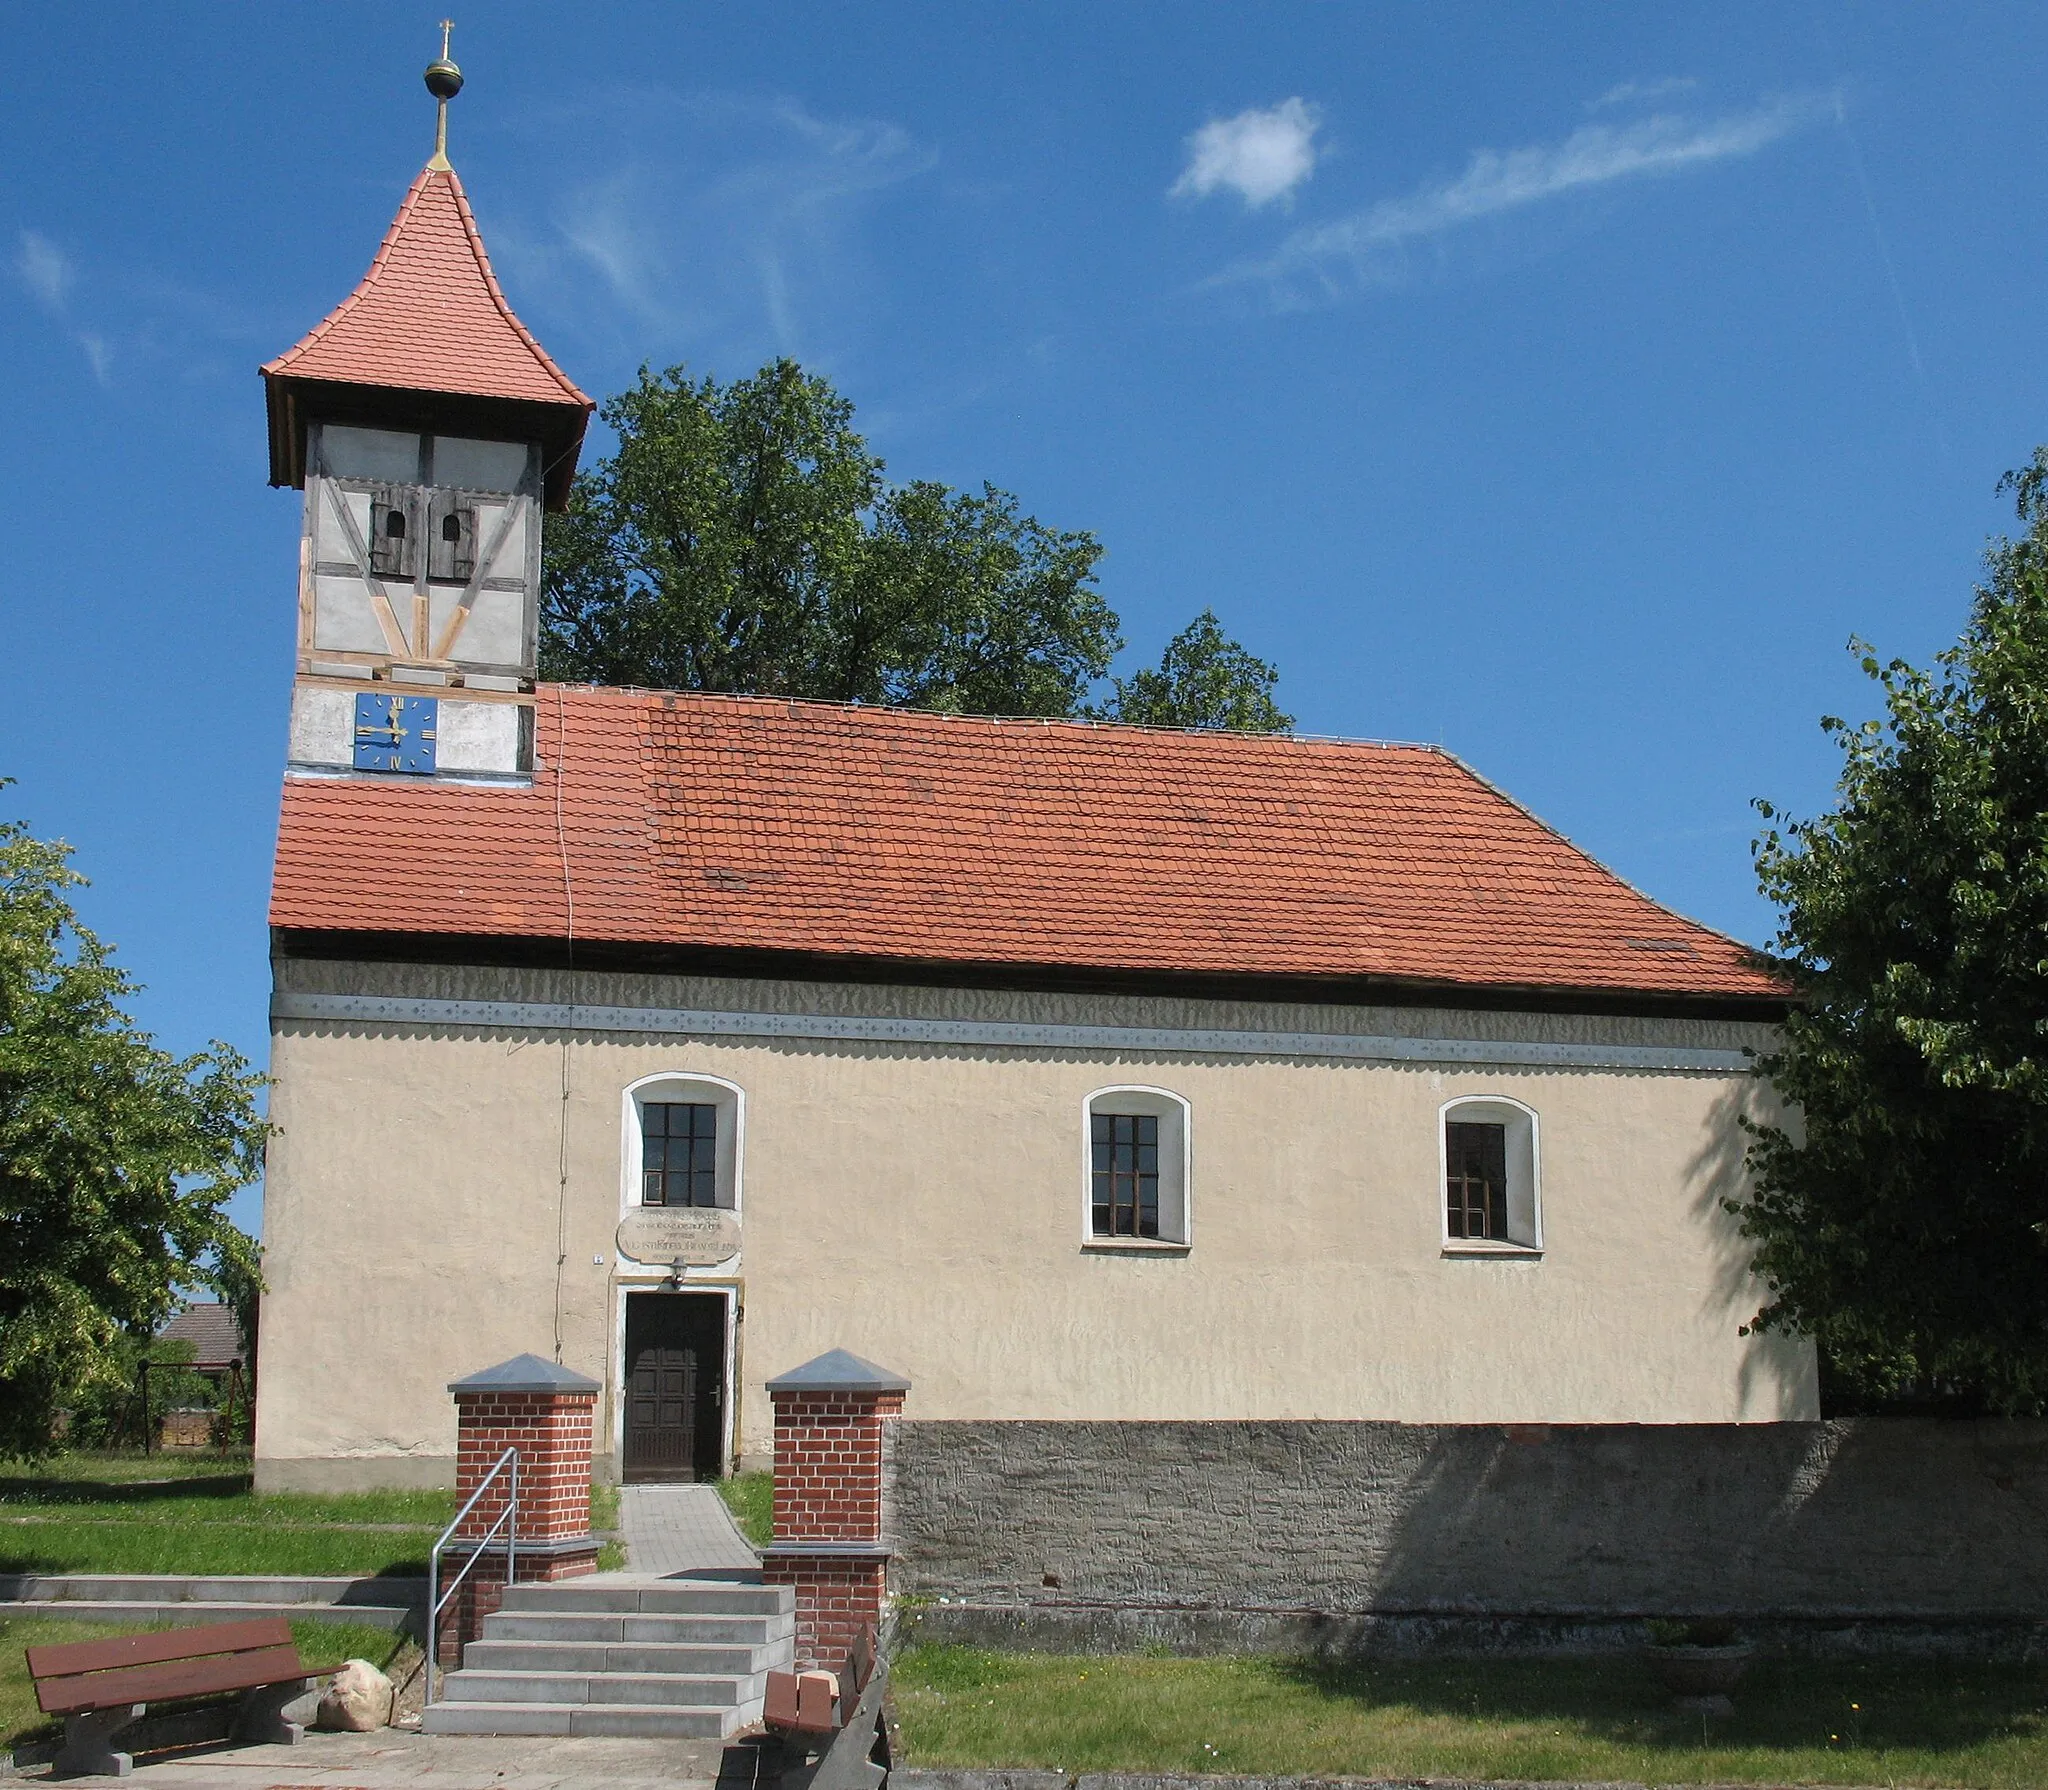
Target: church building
1068, 1070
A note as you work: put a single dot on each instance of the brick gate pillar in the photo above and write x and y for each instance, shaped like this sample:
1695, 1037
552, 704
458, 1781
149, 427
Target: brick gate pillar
828, 1543
545, 1411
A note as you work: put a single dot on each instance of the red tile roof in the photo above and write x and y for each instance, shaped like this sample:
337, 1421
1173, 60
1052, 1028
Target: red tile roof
429, 316
753, 824
211, 1329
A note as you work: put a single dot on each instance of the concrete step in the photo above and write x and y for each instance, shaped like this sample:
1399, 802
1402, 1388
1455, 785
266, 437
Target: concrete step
685, 1657
643, 1688
133, 1612
661, 1597
657, 1721
653, 1657
167, 1588
563, 1625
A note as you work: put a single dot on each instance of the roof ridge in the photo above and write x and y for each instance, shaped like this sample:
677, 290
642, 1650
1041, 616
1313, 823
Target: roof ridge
1086, 722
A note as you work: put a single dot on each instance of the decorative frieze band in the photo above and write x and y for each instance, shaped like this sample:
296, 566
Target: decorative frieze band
689, 1022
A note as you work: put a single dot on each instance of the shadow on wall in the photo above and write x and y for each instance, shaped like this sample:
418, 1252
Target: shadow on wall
1777, 1373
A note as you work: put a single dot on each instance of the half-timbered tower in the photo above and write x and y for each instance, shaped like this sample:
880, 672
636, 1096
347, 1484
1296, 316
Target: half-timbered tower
428, 429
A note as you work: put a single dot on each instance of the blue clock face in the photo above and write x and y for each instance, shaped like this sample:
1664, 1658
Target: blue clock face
396, 733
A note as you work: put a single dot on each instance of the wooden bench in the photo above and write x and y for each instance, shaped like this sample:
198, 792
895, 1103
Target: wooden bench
839, 1714
101, 1687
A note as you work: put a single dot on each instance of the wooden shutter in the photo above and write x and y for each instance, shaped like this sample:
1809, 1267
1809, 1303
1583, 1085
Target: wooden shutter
394, 520
451, 541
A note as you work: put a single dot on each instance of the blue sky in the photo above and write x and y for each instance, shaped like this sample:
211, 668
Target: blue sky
1563, 384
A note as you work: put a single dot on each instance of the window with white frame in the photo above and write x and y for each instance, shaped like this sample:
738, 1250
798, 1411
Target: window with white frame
1136, 1155
682, 1142
1491, 1176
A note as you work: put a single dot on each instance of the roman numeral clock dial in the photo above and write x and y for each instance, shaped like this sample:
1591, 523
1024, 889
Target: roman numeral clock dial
396, 733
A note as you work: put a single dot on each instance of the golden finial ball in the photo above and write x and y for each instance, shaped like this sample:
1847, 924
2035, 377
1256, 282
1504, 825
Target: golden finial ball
444, 79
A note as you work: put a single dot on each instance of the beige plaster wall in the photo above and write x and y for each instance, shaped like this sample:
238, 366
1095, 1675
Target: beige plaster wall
922, 1205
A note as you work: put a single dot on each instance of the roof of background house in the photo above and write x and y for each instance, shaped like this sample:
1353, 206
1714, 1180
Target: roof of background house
212, 1332
758, 825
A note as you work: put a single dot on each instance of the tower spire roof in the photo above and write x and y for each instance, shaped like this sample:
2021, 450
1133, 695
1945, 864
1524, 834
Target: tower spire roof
429, 315
426, 324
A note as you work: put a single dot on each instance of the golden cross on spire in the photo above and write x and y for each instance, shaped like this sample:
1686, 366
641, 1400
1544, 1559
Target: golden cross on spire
444, 82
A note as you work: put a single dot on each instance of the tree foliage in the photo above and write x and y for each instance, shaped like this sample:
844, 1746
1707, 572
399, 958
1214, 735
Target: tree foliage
745, 538
115, 1158
1903, 1221
1205, 680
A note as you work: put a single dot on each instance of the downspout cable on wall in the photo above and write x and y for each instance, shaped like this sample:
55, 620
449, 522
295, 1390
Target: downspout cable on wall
568, 1030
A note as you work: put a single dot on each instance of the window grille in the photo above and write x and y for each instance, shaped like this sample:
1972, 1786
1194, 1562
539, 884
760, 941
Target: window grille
1126, 1174
678, 1154
1476, 1180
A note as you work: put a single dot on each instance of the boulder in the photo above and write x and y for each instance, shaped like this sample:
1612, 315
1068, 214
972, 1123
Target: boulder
358, 1700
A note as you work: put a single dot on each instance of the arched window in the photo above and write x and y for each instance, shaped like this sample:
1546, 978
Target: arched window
1136, 1174
1492, 1180
683, 1143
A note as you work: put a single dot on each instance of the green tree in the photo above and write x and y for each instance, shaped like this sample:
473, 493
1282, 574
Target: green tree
1902, 1220
115, 1158
744, 538
1206, 680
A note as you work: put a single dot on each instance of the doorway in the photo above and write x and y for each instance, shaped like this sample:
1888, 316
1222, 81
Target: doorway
675, 1386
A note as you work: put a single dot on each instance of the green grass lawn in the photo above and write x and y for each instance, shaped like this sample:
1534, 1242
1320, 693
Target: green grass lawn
1795, 1722
197, 1513
751, 1499
320, 1644
169, 1513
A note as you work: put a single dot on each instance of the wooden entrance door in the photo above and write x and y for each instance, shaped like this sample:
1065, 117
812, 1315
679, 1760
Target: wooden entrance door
675, 1391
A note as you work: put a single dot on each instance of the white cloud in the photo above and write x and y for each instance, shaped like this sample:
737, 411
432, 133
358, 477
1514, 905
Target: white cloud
44, 269
711, 222
1641, 93
1259, 155
1369, 248
47, 272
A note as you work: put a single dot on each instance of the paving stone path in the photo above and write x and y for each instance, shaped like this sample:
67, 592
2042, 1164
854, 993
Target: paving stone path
681, 1529
390, 1760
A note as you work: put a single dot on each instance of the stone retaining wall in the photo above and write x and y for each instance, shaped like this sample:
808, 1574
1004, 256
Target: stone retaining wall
1201, 1534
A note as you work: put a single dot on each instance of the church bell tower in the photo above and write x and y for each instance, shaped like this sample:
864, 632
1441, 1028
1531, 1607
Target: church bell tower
428, 430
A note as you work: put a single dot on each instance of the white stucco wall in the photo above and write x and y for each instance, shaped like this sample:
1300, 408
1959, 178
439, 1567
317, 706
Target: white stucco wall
920, 1204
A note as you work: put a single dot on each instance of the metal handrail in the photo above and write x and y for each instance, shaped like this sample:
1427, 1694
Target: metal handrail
508, 1521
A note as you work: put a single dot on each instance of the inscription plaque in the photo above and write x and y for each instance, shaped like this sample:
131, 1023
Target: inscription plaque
697, 1236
